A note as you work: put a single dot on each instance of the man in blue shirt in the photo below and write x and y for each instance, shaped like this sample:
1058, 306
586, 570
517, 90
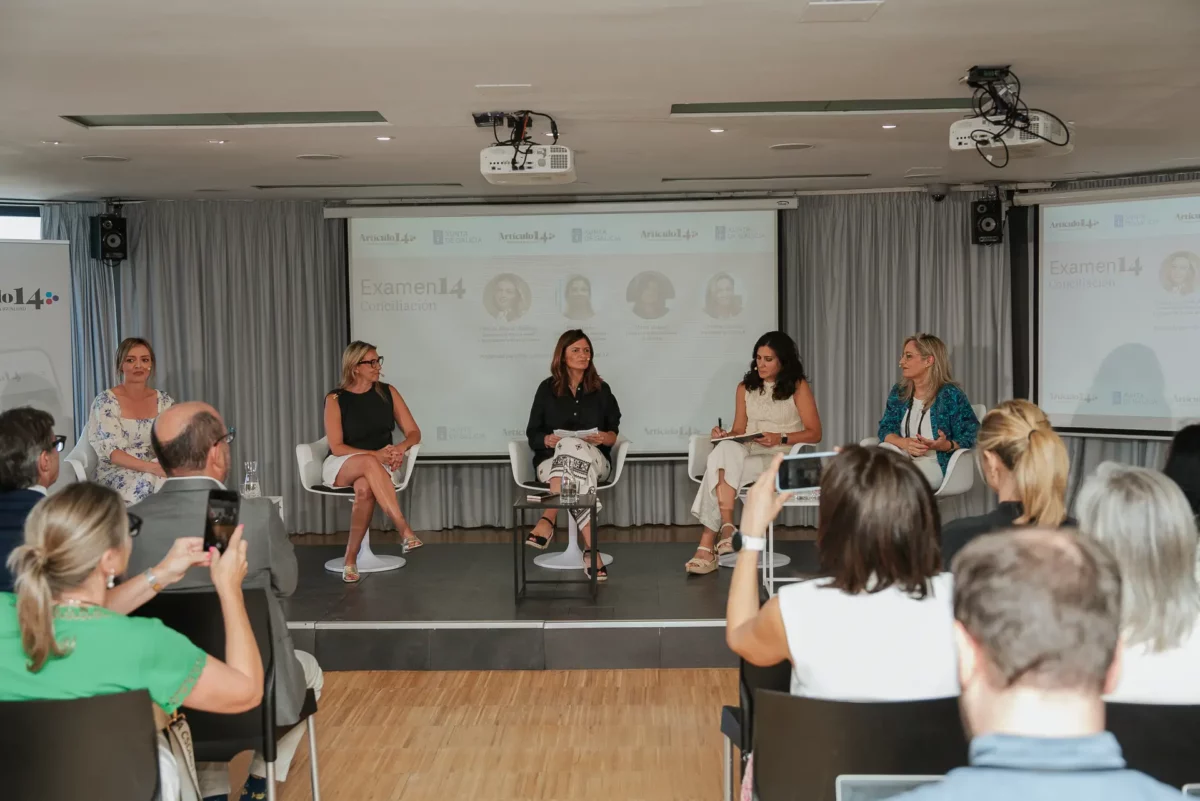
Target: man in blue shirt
1037, 626
28, 466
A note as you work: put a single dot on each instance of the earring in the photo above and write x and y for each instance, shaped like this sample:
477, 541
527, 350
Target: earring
112, 580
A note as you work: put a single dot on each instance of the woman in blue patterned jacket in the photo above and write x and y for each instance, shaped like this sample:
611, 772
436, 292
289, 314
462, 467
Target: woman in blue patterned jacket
928, 416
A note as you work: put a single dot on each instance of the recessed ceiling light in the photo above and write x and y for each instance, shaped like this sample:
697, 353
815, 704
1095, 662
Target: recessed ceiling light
51, 142
549, 133
217, 141
105, 158
889, 126
503, 86
383, 139
717, 130
318, 157
791, 146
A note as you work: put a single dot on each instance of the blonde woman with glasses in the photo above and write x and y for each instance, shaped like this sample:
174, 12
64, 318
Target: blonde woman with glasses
1143, 517
64, 634
928, 416
360, 416
1025, 463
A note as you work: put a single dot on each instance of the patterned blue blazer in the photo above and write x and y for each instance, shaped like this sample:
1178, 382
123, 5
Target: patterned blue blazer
950, 413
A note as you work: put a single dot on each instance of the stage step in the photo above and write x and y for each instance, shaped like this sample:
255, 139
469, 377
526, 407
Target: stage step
514, 644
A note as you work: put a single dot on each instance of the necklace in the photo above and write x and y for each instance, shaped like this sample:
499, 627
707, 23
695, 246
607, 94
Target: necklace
75, 602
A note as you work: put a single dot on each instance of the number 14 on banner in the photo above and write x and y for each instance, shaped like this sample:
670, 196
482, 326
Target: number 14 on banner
16, 297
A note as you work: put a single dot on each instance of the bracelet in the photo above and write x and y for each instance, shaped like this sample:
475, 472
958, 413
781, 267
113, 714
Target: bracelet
152, 580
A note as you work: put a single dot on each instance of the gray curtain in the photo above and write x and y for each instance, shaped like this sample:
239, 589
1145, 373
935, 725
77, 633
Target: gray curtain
245, 304
94, 329
1087, 452
862, 272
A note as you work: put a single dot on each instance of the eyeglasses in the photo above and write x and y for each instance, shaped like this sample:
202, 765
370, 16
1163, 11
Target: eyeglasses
373, 362
228, 437
135, 524
60, 442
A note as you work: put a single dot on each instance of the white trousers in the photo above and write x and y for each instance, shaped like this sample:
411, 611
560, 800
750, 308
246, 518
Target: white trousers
214, 776
740, 466
928, 465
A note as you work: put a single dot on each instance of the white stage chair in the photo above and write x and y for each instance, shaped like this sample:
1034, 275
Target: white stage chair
699, 447
520, 458
310, 457
82, 461
960, 472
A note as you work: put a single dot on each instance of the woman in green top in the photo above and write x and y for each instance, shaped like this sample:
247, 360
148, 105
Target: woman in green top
58, 640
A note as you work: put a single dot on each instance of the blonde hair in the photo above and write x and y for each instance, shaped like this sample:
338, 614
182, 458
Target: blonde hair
1019, 434
66, 535
1143, 517
351, 356
939, 372
128, 344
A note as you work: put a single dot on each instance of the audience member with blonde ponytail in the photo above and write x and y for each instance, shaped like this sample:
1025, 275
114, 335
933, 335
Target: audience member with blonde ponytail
1025, 463
59, 639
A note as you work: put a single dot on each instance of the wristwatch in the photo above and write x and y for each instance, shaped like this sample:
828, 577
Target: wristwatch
152, 580
784, 439
742, 542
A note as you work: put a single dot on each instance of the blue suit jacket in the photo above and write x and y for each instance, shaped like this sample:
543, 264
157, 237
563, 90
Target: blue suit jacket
14, 508
950, 413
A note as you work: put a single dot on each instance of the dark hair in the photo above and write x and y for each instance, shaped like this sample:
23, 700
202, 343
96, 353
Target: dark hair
791, 371
1044, 605
558, 364
878, 523
25, 434
189, 450
1183, 464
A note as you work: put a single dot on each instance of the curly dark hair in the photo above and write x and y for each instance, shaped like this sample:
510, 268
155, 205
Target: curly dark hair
791, 371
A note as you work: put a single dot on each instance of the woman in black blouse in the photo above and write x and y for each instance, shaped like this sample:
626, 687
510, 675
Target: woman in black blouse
573, 398
360, 416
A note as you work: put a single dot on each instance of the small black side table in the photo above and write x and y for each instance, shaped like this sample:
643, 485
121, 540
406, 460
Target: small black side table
521, 529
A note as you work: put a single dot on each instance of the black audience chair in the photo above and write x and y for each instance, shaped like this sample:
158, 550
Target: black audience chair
1160, 740
102, 748
801, 745
737, 722
220, 738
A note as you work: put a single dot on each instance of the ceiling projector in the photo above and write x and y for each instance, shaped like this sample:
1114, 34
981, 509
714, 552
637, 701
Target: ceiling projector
1043, 136
528, 165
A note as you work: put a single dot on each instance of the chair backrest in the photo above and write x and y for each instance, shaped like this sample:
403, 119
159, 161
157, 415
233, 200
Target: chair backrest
197, 615
699, 447
83, 459
801, 745
102, 748
520, 459
620, 451
1160, 740
751, 679
309, 458
980, 410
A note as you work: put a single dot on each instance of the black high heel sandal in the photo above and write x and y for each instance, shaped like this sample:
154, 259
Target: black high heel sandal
601, 569
541, 543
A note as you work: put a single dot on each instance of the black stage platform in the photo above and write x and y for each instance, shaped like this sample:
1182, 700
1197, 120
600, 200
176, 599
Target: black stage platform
452, 608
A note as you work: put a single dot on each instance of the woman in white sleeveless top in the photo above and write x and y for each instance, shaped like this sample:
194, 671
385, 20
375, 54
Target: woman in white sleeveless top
775, 401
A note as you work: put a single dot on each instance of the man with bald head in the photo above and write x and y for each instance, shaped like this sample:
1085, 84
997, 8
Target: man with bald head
191, 442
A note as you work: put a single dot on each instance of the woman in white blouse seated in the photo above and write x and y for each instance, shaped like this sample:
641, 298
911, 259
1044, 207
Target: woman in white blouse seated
878, 625
120, 421
773, 401
1144, 518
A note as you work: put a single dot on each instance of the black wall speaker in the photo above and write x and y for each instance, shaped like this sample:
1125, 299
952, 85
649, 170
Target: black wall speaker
987, 222
108, 239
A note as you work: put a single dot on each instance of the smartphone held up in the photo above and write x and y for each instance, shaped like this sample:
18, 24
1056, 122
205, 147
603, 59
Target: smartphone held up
222, 521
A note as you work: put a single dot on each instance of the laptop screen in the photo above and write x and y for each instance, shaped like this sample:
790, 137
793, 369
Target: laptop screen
877, 788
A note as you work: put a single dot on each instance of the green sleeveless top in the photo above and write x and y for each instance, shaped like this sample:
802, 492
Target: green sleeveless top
111, 653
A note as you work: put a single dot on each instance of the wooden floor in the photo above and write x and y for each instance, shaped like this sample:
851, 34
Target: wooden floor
610, 735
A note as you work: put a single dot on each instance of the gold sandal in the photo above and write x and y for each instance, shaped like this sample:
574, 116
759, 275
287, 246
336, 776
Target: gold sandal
699, 567
725, 545
350, 574
411, 543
